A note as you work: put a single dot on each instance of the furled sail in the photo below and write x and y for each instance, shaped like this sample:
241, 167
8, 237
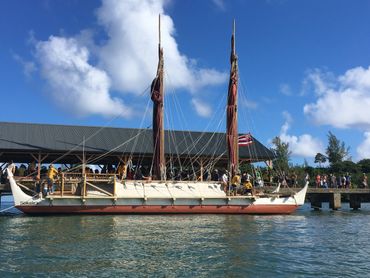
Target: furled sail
232, 111
157, 96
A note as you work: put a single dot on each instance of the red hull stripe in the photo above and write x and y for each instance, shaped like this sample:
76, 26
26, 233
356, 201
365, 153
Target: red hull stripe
222, 209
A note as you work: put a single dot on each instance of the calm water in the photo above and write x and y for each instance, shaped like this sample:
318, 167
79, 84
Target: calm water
306, 244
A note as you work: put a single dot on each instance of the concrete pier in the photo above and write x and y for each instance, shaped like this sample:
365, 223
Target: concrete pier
335, 197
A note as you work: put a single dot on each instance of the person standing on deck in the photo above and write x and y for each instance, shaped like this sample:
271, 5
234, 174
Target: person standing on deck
31, 170
235, 182
348, 180
364, 181
22, 170
52, 172
283, 181
333, 181
306, 178
318, 181
294, 179
244, 178
258, 181
225, 180
344, 181
122, 170
339, 181
215, 176
324, 181
247, 185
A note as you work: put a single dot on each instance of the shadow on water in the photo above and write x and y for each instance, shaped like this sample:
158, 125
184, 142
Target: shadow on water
304, 244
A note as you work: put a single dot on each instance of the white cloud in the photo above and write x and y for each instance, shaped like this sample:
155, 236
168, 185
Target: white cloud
363, 150
125, 62
202, 109
268, 100
29, 67
220, 4
248, 103
342, 102
75, 84
131, 52
285, 89
304, 145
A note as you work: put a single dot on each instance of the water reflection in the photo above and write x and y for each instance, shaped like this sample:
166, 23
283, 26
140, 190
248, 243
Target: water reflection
304, 244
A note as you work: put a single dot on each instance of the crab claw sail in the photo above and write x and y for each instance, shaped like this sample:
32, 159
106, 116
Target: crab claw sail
301, 195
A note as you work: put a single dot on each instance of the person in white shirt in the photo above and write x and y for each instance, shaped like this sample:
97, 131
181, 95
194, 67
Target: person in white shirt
225, 180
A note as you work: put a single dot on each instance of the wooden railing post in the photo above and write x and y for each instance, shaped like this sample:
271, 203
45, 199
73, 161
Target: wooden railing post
62, 187
201, 169
84, 188
114, 186
39, 166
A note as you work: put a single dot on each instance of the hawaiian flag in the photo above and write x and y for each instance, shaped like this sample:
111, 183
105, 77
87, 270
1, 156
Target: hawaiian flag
245, 140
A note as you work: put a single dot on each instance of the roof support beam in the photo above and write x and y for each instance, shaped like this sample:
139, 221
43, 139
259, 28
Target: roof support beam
39, 160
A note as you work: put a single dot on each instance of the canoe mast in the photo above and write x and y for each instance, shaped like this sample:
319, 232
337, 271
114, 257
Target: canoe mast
157, 96
232, 111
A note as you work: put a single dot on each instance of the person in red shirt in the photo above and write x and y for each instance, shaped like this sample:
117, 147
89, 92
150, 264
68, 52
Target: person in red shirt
318, 181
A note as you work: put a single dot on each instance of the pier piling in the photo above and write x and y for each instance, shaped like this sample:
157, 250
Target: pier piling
335, 201
316, 202
355, 201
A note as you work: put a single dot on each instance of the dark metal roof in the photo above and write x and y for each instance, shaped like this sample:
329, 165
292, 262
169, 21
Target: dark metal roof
18, 138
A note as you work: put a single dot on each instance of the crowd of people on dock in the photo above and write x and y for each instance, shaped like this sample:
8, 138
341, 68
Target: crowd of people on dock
338, 181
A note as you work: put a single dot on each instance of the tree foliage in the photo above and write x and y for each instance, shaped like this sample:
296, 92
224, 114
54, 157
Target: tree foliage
320, 158
336, 150
282, 153
345, 167
364, 165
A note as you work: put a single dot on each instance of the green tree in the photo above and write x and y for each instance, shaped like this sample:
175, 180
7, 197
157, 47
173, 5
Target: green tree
343, 167
282, 153
320, 158
336, 150
364, 165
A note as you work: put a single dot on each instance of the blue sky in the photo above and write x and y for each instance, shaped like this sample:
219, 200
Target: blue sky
304, 66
